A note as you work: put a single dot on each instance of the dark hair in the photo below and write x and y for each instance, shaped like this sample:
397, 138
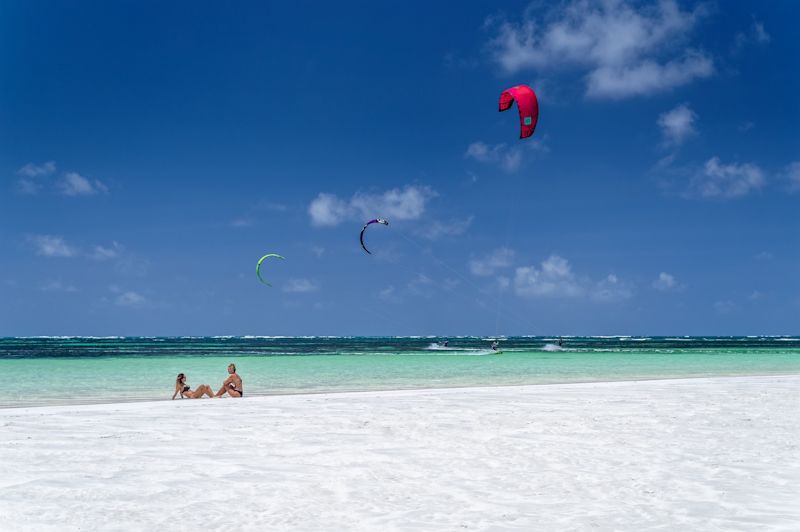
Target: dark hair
180, 379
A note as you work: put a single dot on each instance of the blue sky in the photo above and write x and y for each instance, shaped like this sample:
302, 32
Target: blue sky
152, 153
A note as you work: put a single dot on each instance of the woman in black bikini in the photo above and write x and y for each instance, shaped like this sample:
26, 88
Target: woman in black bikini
185, 391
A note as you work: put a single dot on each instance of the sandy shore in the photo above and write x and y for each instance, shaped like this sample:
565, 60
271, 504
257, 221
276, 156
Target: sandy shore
695, 454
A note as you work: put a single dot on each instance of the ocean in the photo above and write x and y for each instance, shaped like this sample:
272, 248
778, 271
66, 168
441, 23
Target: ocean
69, 370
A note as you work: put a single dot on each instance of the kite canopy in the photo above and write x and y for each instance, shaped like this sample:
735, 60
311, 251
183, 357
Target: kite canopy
527, 104
258, 266
375, 221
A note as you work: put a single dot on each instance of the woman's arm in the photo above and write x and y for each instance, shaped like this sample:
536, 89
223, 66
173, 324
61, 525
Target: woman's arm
176, 393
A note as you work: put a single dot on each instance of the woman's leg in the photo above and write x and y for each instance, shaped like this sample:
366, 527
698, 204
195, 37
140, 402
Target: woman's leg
197, 393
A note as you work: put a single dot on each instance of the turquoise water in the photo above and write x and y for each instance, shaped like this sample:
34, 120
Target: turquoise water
39, 371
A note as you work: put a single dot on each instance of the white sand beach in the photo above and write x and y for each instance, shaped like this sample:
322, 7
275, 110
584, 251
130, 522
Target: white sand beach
693, 454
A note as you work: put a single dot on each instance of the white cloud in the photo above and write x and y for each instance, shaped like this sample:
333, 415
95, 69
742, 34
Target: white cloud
28, 184
327, 209
318, 251
553, 278
451, 284
792, 175
626, 49
107, 253
756, 34
760, 34
240, 223
37, 170
718, 180
744, 127
764, 255
400, 204
130, 299
420, 284
648, 77
610, 289
509, 159
74, 184
300, 286
57, 286
129, 264
503, 283
677, 124
52, 246
497, 260
437, 229
408, 203
389, 295
665, 282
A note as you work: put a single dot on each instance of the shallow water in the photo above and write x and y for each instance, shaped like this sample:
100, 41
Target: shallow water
39, 371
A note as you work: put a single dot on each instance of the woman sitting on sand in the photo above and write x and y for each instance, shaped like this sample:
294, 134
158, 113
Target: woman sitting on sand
182, 388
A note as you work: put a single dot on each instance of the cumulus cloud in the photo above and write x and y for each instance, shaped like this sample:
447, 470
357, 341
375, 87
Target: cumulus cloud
27, 183
496, 260
37, 170
241, 222
744, 127
130, 299
455, 227
756, 295
107, 253
554, 278
756, 35
677, 124
327, 209
792, 176
611, 288
57, 286
52, 246
400, 204
726, 181
626, 49
666, 282
74, 184
420, 285
407, 203
389, 294
648, 77
509, 159
300, 286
